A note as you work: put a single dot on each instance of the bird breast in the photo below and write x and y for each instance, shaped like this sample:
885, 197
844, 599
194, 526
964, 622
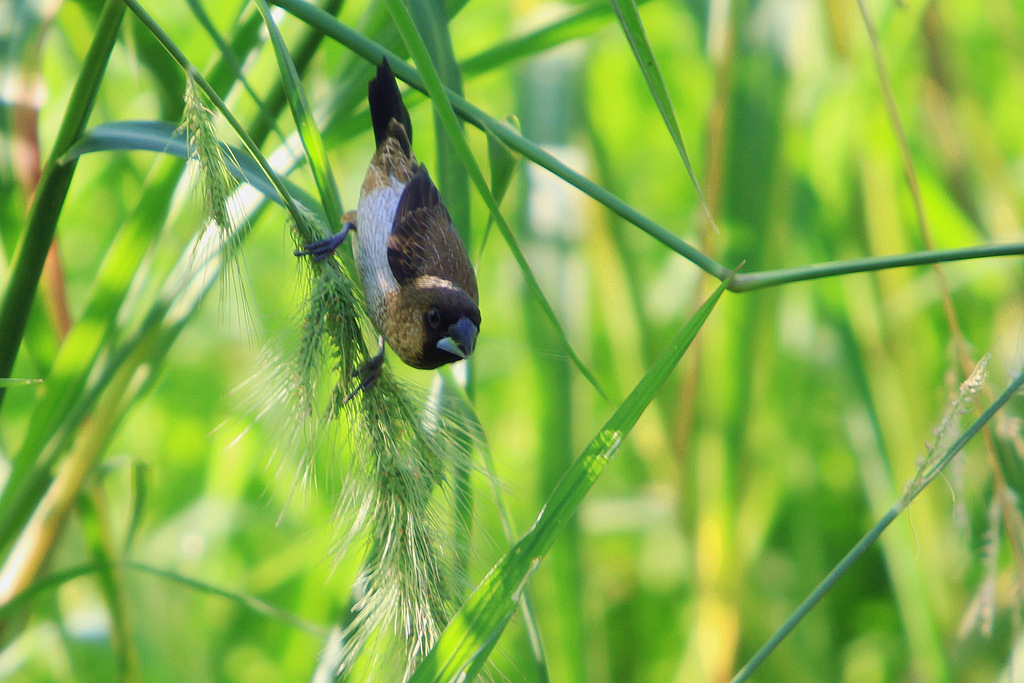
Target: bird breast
378, 204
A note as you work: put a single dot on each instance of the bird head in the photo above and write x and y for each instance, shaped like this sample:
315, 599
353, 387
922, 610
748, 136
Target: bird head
437, 325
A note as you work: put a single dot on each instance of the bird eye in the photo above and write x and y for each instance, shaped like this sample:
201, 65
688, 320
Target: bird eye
434, 318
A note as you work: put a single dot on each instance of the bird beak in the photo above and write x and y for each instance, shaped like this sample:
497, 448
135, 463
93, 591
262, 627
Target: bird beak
461, 338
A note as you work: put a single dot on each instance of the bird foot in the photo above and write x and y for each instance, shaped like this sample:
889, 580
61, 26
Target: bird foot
369, 371
324, 248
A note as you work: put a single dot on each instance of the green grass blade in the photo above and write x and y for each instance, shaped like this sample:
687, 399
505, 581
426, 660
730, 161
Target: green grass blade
98, 533
868, 540
302, 54
473, 632
186, 287
511, 137
579, 24
251, 147
163, 137
629, 19
246, 38
41, 585
16, 382
312, 142
250, 603
76, 357
438, 95
452, 179
255, 605
155, 136
27, 264
503, 163
530, 150
505, 517
229, 66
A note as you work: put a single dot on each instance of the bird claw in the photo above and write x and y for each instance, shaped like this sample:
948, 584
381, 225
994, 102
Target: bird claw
324, 248
370, 371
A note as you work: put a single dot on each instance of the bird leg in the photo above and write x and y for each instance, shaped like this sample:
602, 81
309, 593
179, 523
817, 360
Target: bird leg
324, 248
369, 371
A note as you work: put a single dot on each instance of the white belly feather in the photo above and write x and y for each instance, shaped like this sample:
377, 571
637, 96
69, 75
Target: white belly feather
375, 218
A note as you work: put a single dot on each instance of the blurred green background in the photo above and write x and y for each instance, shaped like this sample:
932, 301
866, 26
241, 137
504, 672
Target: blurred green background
791, 425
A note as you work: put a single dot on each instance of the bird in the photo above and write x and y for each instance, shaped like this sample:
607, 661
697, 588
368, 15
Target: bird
417, 277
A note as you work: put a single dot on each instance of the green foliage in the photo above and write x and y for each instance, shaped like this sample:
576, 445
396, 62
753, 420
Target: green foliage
181, 504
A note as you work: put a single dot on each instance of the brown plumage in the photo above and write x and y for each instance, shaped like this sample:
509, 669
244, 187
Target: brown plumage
417, 278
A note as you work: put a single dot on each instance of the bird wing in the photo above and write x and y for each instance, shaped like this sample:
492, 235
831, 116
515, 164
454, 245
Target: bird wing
423, 240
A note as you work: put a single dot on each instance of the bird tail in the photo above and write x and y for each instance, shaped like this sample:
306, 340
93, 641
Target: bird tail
386, 104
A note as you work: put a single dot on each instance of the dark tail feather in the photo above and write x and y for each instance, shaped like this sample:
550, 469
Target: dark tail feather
386, 104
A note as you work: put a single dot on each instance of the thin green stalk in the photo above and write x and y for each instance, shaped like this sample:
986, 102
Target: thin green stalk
633, 28
895, 122
34, 244
250, 603
580, 23
246, 38
439, 95
372, 51
254, 605
165, 319
83, 344
302, 54
898, 547
872, 535
474, 630
507, 527
296, 214
431, 20
229, 64
511, 137
312, 142
159, 137
771, 278
18, 381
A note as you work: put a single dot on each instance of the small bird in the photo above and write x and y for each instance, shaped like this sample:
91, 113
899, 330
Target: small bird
417, 277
